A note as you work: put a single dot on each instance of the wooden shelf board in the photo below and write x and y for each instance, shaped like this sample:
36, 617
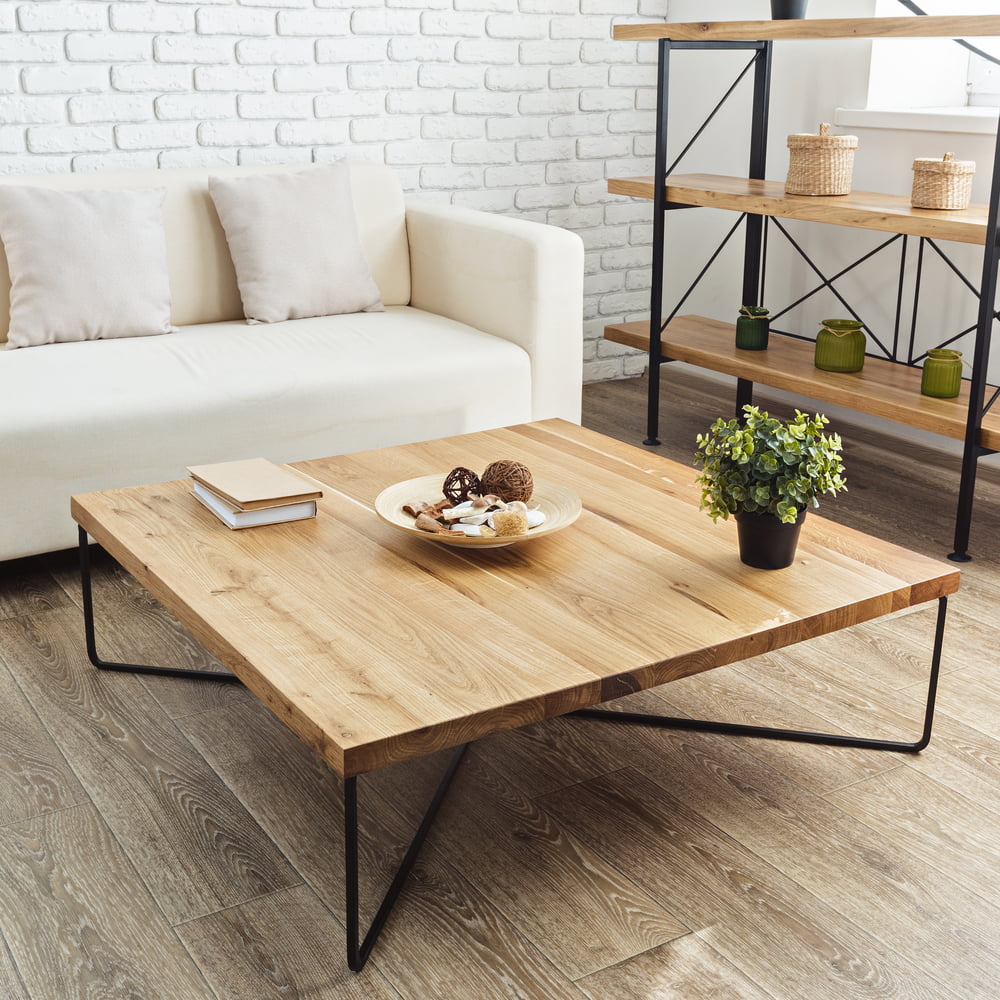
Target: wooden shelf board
886, 213
881, 388
945, 26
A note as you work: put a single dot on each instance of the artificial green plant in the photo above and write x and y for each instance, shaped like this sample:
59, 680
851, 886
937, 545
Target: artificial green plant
768, 465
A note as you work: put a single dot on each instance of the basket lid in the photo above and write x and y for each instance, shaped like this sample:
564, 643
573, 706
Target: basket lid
821, 140
946, 165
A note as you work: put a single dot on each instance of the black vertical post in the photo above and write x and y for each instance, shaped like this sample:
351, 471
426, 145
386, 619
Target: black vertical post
757, 168
355, 959
980, 362
88, 597
659, 223
754, 245
898, 319
918, 280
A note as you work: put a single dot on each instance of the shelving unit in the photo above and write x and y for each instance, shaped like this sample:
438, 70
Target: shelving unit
888, 388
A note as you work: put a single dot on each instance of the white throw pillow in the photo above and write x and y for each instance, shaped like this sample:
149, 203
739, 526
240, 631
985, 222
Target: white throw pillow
84, 265
294, 242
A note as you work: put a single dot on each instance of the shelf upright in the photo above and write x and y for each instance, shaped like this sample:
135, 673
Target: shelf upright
755, 198
754, 241
973, 449
659, 230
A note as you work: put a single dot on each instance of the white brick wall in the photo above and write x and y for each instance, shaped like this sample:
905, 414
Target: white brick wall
524, 107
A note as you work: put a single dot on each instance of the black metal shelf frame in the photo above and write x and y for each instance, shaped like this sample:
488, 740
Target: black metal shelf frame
754, 259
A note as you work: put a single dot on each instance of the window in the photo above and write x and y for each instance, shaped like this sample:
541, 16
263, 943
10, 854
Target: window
930, 83
984, 77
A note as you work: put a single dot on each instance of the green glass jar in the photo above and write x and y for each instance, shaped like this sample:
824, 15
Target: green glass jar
840, 346
752, 328
942, 374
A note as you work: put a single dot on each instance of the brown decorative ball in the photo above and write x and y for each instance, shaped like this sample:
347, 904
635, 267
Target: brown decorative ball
508, 480
459, 483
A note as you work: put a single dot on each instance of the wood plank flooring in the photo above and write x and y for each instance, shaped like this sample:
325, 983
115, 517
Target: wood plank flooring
162, 838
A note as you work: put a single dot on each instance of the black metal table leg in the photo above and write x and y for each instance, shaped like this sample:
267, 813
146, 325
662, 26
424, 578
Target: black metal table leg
799, 736
358, 950
135, 668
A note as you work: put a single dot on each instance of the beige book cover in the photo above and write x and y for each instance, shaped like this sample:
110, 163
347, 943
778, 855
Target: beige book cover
253, 483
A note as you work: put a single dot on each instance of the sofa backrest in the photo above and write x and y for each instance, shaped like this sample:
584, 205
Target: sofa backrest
202, 280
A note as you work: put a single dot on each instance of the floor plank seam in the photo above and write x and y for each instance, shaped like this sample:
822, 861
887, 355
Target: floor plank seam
701, 934
915, 858
45, 813
66, 758
578, 784
862, 780
196, 964
275, 847
273, 893
690, 933
13, 964
940, 715
871, 708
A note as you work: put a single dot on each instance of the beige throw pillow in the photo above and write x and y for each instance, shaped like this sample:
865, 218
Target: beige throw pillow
294, 242
84, 265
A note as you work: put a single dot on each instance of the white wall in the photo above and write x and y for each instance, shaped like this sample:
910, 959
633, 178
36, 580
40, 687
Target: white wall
810, 80
516, 106
523, 107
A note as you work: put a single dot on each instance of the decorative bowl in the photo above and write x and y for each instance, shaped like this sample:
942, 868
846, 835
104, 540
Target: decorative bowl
560, 506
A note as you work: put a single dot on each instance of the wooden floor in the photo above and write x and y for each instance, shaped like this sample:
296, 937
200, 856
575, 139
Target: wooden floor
164, 839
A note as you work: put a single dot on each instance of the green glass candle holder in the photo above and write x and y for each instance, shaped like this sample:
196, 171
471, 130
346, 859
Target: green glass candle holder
840, 346
752, 328
942, 374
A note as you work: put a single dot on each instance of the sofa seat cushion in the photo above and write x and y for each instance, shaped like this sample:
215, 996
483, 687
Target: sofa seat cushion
119, 412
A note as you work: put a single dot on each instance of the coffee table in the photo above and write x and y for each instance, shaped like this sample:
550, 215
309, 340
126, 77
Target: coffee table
375, 647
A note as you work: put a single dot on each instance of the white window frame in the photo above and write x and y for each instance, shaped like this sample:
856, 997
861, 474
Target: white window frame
984, 79
929, 83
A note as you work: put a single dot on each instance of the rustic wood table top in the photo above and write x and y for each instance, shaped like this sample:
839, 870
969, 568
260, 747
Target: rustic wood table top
375, 646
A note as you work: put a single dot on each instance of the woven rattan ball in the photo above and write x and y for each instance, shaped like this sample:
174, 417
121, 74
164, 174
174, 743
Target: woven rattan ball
508, 480
459, 483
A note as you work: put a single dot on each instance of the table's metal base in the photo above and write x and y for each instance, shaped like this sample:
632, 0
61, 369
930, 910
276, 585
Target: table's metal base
799, 736
131, 668
358, 949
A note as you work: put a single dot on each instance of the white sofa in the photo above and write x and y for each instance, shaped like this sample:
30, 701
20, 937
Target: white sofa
482, 328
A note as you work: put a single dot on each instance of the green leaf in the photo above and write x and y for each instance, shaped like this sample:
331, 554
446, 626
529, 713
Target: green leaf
767, 464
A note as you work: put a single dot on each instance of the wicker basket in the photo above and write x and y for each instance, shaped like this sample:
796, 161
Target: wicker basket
820, 164
944, 183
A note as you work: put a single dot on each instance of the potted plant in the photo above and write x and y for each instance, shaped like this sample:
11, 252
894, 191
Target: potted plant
765, 472
752, 328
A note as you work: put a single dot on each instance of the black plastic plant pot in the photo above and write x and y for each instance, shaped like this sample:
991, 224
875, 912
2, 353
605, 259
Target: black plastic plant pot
767, 542
786, 10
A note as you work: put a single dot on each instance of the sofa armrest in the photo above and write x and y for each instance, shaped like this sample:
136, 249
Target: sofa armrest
512, 278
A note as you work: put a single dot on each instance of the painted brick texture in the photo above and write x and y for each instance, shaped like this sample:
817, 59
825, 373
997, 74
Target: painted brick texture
523, 107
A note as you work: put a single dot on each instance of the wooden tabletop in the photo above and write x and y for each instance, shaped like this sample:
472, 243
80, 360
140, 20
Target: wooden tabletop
375, 646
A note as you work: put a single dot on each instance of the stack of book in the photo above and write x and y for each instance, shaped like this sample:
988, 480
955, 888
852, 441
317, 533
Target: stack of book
254, 491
